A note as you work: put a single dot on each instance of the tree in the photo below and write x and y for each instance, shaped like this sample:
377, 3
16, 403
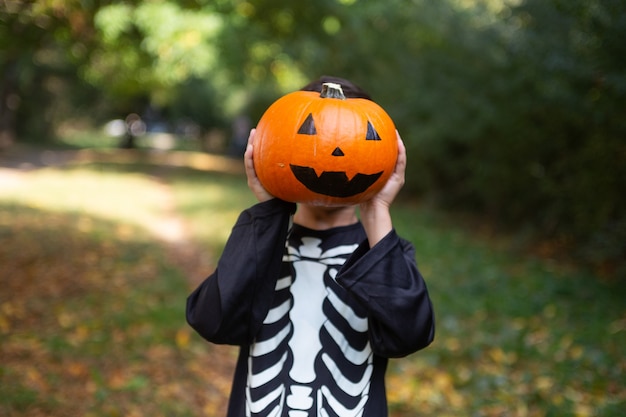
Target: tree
510, 109
103, 56
148, 48
35, 55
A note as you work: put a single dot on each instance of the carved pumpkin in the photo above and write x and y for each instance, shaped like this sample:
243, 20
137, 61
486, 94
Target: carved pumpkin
324, 149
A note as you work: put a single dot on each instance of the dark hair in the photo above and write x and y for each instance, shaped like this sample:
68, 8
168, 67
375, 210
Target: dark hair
350, 90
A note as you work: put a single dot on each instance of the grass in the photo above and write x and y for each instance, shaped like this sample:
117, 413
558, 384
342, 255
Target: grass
92, 307
517, 335
210, 203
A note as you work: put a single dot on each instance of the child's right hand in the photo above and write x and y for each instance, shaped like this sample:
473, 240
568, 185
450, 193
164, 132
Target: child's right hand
253, 181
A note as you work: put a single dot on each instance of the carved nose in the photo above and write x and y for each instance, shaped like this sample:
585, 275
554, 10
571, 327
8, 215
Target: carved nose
337, 152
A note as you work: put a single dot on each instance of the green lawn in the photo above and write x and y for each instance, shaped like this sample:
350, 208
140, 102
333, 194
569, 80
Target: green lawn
516, 335
92, 306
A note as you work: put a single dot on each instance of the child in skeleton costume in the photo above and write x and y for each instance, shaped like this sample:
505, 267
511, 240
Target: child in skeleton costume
317, 301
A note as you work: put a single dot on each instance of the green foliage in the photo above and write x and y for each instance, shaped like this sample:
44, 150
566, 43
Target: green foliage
519, 120
510, 109
199, 101
149, 47
31, 66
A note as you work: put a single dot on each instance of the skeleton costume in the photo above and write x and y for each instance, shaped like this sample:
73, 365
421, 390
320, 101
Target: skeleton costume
316, 318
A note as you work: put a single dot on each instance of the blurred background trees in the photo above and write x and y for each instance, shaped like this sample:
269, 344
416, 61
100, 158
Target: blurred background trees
510, 109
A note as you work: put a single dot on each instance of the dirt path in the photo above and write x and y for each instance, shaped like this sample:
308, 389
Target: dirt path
27, 158
202, 381
170, 228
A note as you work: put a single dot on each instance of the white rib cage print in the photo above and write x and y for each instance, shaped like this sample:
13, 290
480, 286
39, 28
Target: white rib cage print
307, 361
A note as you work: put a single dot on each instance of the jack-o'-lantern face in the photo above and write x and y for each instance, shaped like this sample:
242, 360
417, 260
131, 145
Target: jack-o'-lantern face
324, 149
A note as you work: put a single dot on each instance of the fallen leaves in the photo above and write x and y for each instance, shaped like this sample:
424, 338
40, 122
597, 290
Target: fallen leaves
101, 333
92, 319
92, 316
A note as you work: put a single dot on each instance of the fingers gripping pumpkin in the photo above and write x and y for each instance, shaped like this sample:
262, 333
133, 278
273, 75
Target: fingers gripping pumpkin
324, 149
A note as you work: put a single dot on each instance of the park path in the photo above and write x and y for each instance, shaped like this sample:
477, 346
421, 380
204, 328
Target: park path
170, 227
213, 367
18, 161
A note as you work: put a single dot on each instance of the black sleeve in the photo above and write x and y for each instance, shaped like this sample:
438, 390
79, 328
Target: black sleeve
385, 279
230, 305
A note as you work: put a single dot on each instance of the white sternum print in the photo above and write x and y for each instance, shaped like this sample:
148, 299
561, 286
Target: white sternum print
308, 296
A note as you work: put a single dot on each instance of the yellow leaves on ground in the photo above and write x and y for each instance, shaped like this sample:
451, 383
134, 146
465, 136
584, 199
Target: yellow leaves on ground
183, 337
542, 372
414, 386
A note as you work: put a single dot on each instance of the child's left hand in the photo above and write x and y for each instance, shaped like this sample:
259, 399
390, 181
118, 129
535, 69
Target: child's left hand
395, 182
375, 215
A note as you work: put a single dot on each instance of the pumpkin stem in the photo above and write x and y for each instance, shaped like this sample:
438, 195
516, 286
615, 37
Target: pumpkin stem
332, 90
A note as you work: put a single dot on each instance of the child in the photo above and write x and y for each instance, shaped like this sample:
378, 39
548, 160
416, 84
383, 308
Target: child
317, 301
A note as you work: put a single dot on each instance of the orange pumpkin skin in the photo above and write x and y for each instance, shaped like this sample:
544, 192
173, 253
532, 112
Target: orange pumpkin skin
324, 151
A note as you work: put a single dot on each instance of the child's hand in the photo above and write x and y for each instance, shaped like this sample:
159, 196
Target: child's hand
375, 215
395, 181
253, 181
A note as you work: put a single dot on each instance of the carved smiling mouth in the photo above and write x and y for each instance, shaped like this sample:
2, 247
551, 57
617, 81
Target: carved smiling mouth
333, 183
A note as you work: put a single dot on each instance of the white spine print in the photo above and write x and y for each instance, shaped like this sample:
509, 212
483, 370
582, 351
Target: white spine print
308, 295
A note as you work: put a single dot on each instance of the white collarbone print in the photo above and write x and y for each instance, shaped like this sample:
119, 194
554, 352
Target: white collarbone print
312, 357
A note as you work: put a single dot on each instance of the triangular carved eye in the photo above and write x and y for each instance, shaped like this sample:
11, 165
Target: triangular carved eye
371, 134
308, 127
